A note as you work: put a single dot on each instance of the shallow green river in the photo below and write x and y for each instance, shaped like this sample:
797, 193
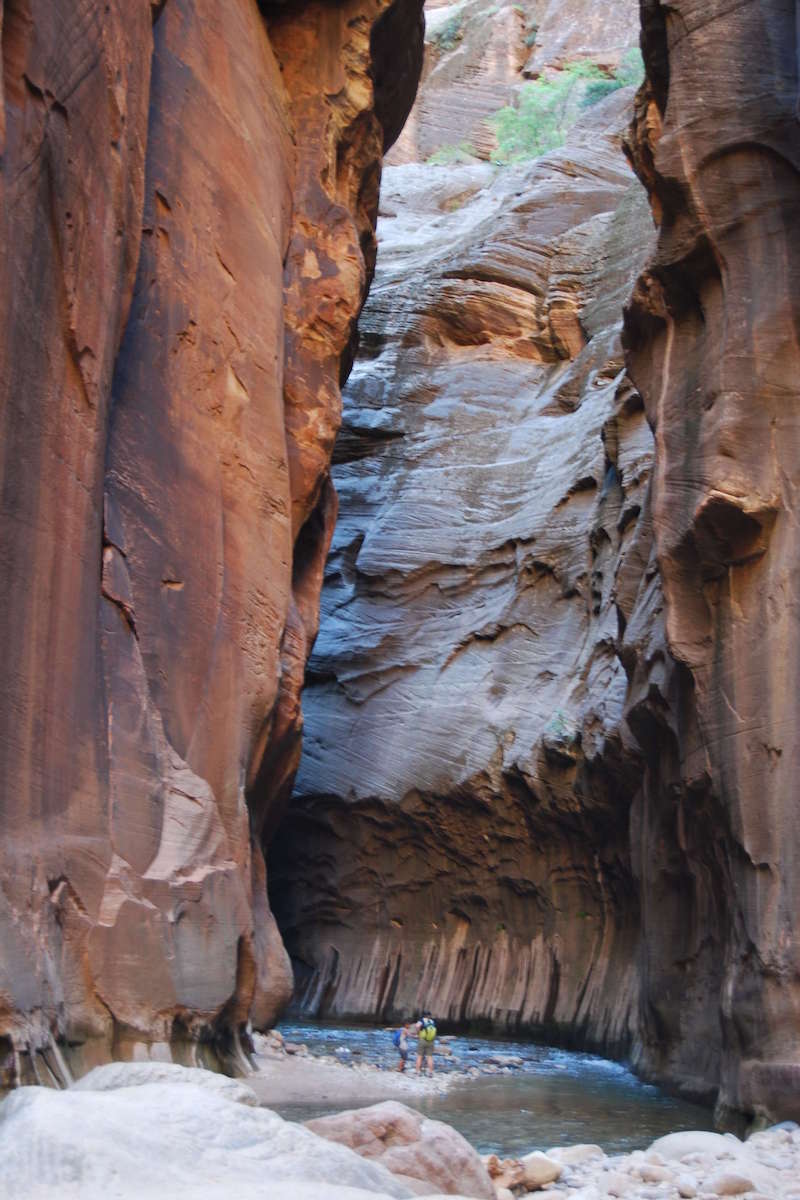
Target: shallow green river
554, 1098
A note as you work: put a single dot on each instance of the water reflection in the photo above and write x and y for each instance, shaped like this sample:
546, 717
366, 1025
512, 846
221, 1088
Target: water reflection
513, 1114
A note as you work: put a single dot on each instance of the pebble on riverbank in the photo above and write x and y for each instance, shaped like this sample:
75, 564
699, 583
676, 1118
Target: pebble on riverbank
681, 1166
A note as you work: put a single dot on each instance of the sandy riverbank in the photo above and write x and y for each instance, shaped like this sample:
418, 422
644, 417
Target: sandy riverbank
295, 1079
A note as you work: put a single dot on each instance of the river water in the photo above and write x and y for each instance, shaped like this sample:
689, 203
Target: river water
554, 1098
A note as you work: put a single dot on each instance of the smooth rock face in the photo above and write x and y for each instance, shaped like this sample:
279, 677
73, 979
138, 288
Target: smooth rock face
711, 336
178, 1140
180, 272
71, 195
460, 831
111, 1076
409, 1145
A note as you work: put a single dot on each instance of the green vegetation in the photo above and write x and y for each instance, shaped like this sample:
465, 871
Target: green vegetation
445, 156
451, 33
548, 107
630, 72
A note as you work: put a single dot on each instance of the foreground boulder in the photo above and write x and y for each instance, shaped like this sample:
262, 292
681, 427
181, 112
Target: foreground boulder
170, 1139
409, 1145
112, 1076
532, 1171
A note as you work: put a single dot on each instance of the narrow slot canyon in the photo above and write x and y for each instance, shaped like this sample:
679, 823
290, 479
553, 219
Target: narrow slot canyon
460, 831
399, 561
506, 809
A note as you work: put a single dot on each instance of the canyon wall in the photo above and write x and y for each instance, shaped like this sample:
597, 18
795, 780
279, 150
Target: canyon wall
548, 775
187, 210
547, 779
712, 340
459, 835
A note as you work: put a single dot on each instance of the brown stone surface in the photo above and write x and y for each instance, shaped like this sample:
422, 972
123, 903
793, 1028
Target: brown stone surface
186, 209
411, 1146
712, 342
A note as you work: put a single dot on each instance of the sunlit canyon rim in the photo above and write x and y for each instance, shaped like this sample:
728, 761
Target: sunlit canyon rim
549, 763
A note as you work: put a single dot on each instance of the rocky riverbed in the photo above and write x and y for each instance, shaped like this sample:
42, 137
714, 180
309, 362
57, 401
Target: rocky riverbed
505, 1098
155, 1130
681, 1165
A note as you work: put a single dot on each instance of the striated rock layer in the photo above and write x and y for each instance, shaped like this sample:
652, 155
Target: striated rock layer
478, 56
712, 341
459, 835
187, 204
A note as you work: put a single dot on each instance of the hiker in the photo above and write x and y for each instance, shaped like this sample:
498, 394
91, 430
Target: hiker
400, 1040
426, 1036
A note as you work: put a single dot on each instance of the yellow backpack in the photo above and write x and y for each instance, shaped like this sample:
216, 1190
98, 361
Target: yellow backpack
427, 1030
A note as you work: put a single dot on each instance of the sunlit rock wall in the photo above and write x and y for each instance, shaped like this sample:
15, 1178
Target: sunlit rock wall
187, 203
478, 54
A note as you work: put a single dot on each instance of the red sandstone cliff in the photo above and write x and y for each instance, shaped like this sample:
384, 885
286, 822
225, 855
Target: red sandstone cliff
589, 831
712, 342
187, 203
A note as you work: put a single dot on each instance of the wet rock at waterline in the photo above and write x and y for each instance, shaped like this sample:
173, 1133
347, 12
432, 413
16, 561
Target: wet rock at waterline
180, 274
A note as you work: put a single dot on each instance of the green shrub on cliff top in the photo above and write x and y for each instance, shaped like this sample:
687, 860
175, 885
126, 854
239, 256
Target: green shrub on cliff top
630, 72
446, 156
450, 34
548, 107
